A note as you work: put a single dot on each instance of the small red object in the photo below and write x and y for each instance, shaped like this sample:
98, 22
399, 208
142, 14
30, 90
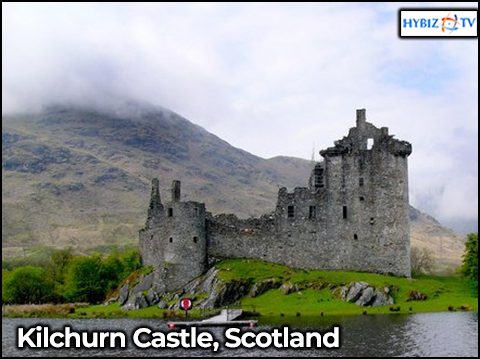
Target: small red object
186, 304
171, 325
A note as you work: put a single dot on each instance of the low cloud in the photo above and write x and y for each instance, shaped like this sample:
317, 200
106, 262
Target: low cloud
291, 73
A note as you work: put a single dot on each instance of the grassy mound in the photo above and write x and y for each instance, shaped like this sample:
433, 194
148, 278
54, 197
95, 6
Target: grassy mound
319, 294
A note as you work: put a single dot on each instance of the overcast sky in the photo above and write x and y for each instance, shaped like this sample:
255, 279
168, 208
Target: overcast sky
273, 79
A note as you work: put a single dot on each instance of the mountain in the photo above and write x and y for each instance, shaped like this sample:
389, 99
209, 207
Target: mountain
446, 246
80, 177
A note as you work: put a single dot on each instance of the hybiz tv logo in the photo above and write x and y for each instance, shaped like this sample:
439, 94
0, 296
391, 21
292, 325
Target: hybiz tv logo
443, 23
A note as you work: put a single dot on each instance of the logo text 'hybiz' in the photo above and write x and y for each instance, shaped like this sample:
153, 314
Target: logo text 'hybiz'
438, 23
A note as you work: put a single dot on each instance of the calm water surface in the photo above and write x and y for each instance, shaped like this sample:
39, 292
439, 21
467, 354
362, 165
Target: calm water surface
437, 334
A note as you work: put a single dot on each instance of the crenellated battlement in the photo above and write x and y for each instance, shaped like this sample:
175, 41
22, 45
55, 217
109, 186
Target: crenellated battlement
366, 137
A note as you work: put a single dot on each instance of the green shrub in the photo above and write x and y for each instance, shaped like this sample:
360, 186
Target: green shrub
71, 278
470, 259
27, 285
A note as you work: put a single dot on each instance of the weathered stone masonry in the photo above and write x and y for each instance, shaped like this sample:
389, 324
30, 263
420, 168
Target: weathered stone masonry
352, 216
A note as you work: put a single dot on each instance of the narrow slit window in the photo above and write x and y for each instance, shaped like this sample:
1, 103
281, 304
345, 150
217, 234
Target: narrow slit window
312, 212
290, 212
361, 181
355, 236
318, 177
196, 211
170, 212
195, 239
170, 239
344, 212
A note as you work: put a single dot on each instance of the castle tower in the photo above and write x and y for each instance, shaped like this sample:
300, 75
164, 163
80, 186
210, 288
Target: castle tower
149, 244
366, 179
155, 208
174, 238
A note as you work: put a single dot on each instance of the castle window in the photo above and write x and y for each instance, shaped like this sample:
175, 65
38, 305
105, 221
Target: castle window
170, 212
312, 212
196, 211
170, 239
355, 236
195, 239
370, 143
151, 237
344, 212
362, 198
372, 220
318, 171
360, 181
290, 212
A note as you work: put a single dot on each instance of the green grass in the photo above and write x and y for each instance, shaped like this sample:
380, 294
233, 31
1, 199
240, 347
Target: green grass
240, 269
442, 292
317, 297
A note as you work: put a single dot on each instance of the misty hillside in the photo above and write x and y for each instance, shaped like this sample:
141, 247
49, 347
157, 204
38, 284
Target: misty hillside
80, 177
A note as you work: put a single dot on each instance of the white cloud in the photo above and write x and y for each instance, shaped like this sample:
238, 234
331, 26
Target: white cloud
292, 74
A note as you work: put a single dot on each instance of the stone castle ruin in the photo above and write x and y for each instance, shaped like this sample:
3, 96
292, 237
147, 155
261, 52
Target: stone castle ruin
352, 216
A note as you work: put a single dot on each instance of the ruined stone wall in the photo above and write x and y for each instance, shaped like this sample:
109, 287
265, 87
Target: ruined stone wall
299, 239
353, 216
230, 237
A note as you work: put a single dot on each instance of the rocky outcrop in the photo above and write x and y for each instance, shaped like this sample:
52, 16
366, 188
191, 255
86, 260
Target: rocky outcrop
208, 291
363, 294
264, 286
139, 290
219, 292
162, 304
287, 288
123, 294
141, 294
225, 293
212, 290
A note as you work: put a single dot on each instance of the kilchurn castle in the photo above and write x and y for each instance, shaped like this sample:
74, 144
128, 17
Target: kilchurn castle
352, 216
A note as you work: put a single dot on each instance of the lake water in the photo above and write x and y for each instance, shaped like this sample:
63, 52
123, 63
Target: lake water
436, 334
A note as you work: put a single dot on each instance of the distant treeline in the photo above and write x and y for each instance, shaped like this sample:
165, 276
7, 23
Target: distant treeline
68, 278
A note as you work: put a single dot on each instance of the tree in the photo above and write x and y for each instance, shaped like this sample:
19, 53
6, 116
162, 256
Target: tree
421, 261
131, 261
83, 282
118, 266
25, 285
111, 272
470, 258
57, 267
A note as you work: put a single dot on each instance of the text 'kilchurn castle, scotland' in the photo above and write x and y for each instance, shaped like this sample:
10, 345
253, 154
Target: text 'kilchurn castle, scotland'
352, 216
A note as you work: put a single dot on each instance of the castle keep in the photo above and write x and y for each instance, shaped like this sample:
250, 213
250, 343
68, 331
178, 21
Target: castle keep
352, 216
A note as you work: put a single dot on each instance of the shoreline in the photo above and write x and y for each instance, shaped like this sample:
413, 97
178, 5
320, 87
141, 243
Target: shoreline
113, 311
